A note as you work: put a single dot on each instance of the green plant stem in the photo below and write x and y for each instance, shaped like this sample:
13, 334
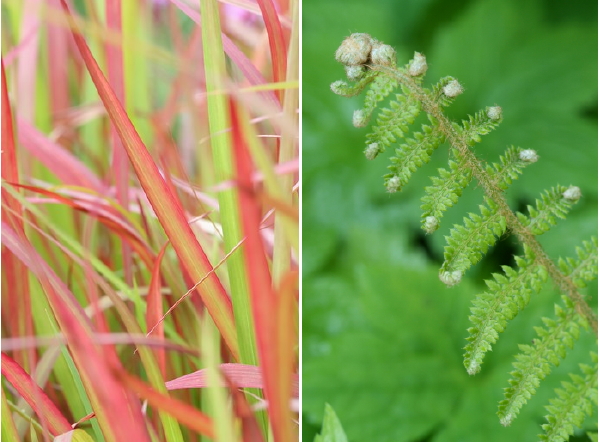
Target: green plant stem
459, 142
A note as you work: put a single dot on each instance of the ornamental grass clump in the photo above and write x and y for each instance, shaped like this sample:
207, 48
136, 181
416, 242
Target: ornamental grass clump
149, 222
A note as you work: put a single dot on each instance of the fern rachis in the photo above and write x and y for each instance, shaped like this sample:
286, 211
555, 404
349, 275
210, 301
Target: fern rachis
507, 293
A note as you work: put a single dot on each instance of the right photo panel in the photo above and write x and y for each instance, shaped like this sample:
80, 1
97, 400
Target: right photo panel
449, 221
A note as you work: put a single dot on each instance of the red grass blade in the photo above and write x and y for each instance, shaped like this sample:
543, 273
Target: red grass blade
62, 163
250, 430
276, 370
276, 40
19, 321
10, 171
111, 402
165, 204
35, 396
184, 413
58, 51
241, 375
106, 215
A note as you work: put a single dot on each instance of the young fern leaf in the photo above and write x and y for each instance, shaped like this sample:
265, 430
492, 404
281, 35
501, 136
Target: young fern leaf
346, 90
467, 244
555, 203
392, 124
412, 155
574, 401
491, 311
444, 193
371, 64
446, 90
510, 167
585, 267
481, 124
533, 363
379, 89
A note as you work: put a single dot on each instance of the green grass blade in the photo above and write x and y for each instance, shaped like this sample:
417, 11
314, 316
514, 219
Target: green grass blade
218, 118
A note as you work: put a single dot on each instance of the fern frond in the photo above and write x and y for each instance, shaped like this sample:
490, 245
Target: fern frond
491, 311
468, 243
507, 293
379, 89
416, 68
482, 123
533, 363
392, 124
573, 402
446, 90
444, 193
555, 203
412, 155
344, 89
585, 268
510, 167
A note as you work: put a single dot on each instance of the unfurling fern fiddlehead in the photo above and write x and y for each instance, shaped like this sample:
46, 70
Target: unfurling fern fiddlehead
371, 65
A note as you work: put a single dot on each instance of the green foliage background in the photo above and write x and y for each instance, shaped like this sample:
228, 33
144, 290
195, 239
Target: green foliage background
382, 336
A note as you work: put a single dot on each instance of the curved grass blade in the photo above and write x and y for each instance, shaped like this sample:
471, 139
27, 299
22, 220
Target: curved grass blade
110, 401
35, 396
165, 204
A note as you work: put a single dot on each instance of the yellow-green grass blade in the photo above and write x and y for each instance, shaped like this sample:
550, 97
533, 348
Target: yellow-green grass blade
64, 370
81, 394
43, 112
75, 436
9, 430
33, 425
281, 85
215, 395
136, 66
92, 132
215, 74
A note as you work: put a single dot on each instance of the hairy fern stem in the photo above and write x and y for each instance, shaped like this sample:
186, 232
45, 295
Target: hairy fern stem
459, 142
371, 64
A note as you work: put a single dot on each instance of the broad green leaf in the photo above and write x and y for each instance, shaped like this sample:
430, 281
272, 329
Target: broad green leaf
332, 428
383, 343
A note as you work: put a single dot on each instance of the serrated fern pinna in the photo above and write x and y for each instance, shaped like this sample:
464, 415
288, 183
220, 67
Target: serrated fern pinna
371, 65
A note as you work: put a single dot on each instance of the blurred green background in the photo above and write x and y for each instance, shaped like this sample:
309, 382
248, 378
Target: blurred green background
382, 336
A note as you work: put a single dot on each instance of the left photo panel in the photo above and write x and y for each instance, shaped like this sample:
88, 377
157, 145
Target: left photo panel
150, 220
